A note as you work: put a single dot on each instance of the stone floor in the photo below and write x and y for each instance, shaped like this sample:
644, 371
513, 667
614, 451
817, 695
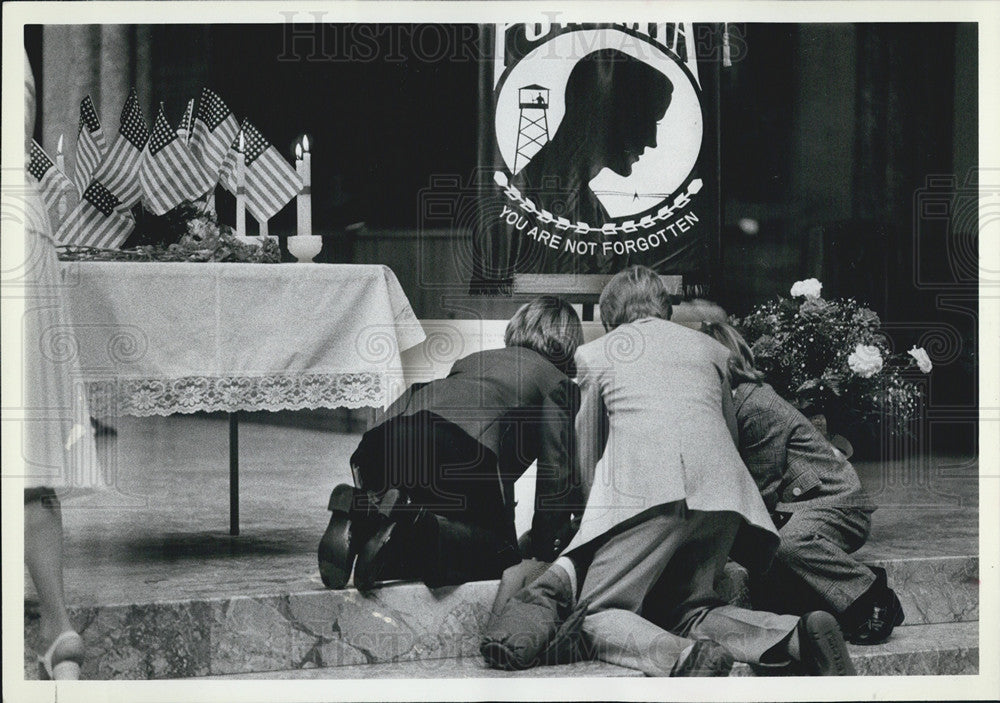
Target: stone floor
161, 534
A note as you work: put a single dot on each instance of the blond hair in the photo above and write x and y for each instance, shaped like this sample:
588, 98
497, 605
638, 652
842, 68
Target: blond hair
549, 326
632, 294
741, 360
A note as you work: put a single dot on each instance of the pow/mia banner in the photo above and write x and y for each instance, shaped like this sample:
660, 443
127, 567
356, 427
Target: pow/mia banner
601, 145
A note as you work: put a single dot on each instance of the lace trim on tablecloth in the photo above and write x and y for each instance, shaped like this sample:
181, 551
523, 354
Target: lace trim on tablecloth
189, 394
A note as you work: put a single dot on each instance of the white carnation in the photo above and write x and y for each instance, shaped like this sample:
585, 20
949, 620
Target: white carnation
866, 361
809, 288
923, 361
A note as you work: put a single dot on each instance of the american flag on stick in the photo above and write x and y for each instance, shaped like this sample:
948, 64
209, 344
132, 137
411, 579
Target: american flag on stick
170, 173
90, 145
53, 183
119, 171
96, 221
214, 130
184, 128
270, 180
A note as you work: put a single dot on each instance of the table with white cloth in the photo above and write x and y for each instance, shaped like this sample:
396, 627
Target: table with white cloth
164, 338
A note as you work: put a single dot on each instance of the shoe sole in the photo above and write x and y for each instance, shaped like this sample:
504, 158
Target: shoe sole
66, 671
335, 571
333, 576
341, 499
371, 562
824, 635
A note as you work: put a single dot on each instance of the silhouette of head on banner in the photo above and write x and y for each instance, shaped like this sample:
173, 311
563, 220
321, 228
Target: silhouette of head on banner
613, 104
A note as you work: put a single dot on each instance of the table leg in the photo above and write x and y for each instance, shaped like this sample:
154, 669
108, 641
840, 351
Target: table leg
234, 474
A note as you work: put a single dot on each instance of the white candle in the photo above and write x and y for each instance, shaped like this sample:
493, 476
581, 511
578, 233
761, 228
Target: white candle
303, 165
62, 206
263, 228
241, 206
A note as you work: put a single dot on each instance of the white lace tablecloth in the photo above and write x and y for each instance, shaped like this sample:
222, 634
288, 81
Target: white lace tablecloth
164, 338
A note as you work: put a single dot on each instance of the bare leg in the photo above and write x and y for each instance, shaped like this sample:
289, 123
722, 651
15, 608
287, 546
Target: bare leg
43, 553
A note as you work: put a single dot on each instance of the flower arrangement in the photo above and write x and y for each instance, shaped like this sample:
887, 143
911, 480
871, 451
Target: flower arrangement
189, 232
830, 357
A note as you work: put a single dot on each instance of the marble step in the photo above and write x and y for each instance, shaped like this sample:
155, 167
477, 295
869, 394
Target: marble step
397, 623
945, 649
470, 667
916, 650
935, 589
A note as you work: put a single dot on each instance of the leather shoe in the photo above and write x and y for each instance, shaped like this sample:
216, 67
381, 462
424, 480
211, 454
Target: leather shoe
353, 511
822, 648
383, 555
706, 658
885, 615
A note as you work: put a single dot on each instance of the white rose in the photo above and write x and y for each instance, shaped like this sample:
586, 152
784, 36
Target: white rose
809, 288
923, 361
866, 361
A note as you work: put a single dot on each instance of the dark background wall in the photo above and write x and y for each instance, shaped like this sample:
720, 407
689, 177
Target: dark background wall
851, 146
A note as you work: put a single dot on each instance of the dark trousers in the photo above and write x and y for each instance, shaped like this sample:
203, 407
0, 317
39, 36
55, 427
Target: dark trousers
813, 568
468, 531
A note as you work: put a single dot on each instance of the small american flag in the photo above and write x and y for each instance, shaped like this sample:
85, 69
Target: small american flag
214, 129
96, 221
170, 173
270, 181
90, 144
119, 171
184, 128
53, 184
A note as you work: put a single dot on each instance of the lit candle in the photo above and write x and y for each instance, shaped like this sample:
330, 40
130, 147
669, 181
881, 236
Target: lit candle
303, 165
60, 159
241, 206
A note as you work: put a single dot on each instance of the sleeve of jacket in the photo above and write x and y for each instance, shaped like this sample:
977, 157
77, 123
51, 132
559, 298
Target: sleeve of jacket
591, 426
557, 485
763, 445
728, 411
808, 456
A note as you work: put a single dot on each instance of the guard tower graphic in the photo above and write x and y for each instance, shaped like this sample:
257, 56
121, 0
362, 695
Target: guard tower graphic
533, 124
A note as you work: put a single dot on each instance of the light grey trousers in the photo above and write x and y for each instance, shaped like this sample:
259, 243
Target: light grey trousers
689, 548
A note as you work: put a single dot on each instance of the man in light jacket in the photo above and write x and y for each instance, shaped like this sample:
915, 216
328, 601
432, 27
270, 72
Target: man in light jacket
668, 496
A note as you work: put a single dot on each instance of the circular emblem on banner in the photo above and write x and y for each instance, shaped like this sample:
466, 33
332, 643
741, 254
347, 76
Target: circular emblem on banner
613, 109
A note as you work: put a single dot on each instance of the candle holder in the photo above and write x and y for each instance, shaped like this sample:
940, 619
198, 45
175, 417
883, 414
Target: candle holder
305, 246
